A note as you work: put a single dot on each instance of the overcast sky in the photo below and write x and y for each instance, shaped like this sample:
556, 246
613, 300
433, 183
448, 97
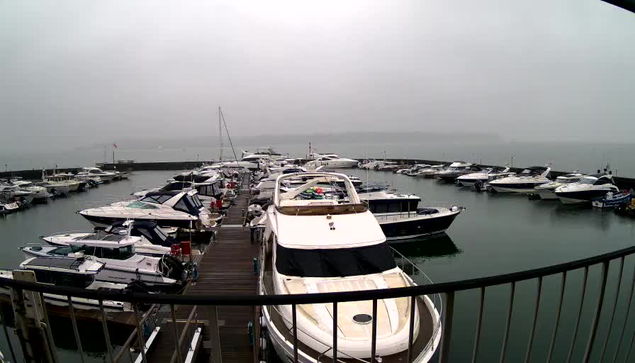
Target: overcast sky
79, 72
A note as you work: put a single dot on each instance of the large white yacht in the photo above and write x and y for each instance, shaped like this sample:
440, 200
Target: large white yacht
547, 191
525, 182
88, 173
331, 161
121, 263
483, 176
335, 245
168, 208
587, 189
455, 170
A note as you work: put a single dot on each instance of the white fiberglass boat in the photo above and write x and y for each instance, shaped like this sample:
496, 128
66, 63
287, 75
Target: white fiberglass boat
121, 263
587, 189
169, 209
331, 161
482, 177
547, 191
88, 173
525, 182
331, 245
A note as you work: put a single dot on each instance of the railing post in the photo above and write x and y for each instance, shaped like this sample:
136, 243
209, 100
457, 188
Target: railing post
533, 324
628, 312
78, 340
139, 333
508, 323
335, 328
104, 325
598, 312
373, 339
617, 297
446, 338
212, 316
411, 328
6, 334
295, 333
479, 324
577, 322
179, 356
555, 329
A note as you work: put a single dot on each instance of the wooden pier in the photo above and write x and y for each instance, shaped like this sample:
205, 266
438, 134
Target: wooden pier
226, 268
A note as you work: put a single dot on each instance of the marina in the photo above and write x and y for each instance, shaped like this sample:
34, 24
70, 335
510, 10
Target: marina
484, 240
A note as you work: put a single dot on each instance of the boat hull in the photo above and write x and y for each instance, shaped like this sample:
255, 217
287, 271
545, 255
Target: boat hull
513, 188
401, 229
582, 197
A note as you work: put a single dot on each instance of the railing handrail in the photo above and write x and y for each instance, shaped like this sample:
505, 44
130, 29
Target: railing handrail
255, 300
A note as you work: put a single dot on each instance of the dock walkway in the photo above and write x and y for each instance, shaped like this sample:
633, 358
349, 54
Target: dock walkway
226, 268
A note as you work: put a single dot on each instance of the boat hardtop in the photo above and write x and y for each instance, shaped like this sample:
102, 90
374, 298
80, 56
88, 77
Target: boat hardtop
63, 264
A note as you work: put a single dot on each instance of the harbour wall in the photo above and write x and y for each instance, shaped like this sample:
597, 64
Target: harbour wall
622, 182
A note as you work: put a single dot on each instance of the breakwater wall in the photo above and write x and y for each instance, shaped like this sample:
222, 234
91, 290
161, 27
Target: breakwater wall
622, 182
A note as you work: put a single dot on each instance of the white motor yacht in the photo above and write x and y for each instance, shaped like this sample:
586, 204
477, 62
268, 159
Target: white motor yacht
547, 191
65, 178
92, 172
316, 246
414, 171
455, 170
121, 262
40, 194
331, 161
69, 272
12, 192
525, 182
482, 177
587, 189
431, 172
169, 209
149, 239
206, 191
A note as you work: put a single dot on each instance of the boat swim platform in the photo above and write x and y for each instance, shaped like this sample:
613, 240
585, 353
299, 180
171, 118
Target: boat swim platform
225, 268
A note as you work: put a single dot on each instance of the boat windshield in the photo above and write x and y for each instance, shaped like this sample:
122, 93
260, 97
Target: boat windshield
587, 181
334, 262
141, 205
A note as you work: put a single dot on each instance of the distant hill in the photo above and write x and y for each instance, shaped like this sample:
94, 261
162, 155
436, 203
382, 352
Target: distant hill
276, 139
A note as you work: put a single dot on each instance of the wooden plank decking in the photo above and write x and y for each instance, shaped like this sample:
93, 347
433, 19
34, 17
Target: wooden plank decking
226, 268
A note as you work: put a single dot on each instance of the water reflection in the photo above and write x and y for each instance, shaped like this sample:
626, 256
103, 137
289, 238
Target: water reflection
437, 246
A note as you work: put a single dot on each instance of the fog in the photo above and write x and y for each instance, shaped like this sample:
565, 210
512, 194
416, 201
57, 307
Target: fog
76, 73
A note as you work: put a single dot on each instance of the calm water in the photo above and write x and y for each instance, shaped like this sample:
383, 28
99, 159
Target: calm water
496, 234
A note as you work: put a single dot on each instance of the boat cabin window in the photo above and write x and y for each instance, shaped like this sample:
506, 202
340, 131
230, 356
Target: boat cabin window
207, 190
334, 262
587, 181
141, 205
189, 204
602, 181
393, 206
158, 198
122, 253
64, 279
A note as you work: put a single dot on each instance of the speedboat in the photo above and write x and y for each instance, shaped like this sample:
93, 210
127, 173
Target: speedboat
93, 172
169, 209
455, 170
69, 272
547, 191
121, 263
68, 179
331, 161
13, 192
206, 191
8, 207
149, 238
40, 194
431, 172
525, 182
587, 189
414, 171
401, 218
331, 245
614, 200
482, 177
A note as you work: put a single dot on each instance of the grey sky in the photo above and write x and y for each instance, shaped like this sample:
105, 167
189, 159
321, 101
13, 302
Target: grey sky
88, 72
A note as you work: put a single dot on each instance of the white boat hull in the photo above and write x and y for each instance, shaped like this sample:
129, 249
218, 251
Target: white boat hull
503, 189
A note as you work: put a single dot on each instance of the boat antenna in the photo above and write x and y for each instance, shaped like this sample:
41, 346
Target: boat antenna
228, 137
220, 135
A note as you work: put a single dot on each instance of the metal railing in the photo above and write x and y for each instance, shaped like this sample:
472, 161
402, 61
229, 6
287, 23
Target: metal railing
612, 328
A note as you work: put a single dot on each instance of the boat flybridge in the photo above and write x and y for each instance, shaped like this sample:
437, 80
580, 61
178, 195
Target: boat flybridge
525, 182
168, 208
335, 245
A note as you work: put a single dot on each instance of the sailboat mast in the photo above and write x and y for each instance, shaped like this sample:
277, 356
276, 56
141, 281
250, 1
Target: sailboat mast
220, 135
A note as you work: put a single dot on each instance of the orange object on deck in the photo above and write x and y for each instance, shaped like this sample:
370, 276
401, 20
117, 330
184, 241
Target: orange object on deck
175, 250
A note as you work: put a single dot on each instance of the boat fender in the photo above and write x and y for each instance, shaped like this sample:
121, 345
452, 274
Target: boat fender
250, 328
